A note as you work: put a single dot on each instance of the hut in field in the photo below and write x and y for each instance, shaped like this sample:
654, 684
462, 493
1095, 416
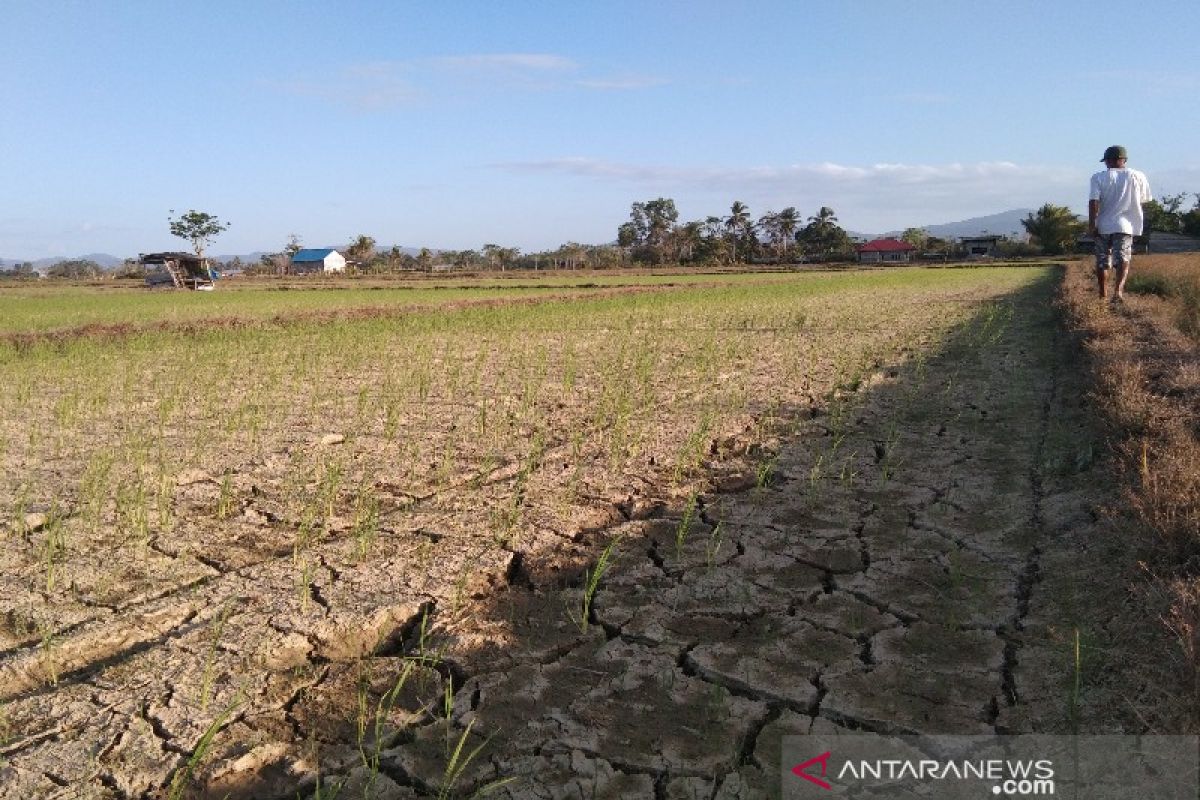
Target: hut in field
980, 246
181, 270
321, 259
885, 251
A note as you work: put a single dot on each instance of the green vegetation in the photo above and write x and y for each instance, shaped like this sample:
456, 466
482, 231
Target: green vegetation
653, 235
197, 227
1054, 228
1166, 214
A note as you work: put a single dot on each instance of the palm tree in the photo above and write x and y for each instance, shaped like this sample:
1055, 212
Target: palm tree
1053, 227
780, 229
824, 217
788, 221
361, 251
737, 223
769, 224
822, 235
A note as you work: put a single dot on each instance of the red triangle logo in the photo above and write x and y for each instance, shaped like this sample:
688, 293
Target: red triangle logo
823, 760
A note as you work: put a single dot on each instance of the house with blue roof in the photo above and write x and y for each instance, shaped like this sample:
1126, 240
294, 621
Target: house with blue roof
318, 259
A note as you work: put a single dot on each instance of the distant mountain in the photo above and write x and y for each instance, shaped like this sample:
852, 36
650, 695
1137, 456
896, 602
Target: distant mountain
1005, 223
42, 264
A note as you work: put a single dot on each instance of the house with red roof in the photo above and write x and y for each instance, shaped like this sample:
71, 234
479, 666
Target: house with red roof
891, 251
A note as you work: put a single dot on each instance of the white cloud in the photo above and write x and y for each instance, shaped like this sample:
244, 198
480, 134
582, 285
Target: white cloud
924, 98
876, 196
374, 86
537, 62
624, 83
1161, 82
384, 85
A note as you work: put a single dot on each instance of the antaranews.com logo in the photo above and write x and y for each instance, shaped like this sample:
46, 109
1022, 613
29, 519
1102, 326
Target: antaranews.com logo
1019, 778
1096, 767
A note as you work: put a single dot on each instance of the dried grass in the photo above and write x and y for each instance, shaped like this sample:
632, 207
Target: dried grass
1146, 365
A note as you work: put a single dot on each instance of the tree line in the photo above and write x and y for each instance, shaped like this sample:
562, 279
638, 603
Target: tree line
651, 235
654, 235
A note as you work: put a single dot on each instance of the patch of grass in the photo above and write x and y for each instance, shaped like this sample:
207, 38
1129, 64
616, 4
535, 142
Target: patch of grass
1150, 283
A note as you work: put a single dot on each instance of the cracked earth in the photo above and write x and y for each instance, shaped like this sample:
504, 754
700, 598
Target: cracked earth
899, 558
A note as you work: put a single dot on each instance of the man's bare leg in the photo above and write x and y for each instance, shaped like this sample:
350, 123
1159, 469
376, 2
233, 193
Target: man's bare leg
1101, 278
1122, 273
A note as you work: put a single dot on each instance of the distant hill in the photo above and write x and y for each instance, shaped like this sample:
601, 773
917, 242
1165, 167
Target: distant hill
42, 264
1005, 223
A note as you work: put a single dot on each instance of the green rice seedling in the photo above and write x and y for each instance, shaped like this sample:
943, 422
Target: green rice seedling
362, 701
132, 508
481, 417
848, 474
183, 776
163, 502
225, 501
306, 532
54, 546
324, 791
47, 647
591, 582
365, 527
391, 416
692, 451
304, 580
20, 506
685, 523
216, 631
6, 727
458, 599
425, 657
330, 487
570, 369
447, 712
457, 764
890, 459
379, 718
764, 474
712, 548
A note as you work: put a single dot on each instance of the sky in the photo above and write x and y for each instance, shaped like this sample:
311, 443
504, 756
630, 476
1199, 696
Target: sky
530, 124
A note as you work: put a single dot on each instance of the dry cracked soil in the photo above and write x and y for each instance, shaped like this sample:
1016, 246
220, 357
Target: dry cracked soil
910, 556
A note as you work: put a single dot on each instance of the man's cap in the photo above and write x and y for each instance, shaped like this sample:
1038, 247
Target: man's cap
1116, 151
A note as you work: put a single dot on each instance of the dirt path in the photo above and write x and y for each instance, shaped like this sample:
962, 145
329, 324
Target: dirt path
912, 556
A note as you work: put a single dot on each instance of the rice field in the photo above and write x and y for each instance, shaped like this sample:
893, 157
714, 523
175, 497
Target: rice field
255, 538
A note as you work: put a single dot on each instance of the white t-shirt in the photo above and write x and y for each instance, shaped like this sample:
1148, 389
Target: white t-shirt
1121, 192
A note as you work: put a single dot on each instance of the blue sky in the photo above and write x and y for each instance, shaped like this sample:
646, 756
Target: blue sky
530, 124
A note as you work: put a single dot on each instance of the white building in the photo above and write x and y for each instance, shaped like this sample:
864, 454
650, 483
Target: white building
323, 259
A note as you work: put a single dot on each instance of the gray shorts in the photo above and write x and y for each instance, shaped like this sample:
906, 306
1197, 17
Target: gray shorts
1112, 247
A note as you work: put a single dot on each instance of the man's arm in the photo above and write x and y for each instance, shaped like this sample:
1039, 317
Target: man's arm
1093, 204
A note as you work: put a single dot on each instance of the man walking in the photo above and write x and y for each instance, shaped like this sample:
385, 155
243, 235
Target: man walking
1115, 217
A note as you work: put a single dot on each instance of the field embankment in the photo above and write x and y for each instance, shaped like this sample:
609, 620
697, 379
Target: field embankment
1146, 360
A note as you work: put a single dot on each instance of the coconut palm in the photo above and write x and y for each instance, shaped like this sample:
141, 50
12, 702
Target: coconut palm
1054, 228
737, 223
